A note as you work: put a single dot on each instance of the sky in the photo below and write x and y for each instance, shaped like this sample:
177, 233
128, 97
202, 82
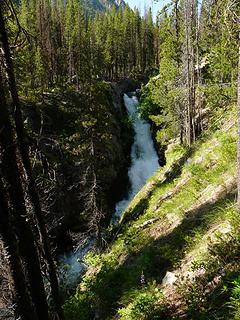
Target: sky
142, 3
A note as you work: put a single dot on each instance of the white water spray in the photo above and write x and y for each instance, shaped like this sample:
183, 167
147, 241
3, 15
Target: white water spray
143, 155
71, 265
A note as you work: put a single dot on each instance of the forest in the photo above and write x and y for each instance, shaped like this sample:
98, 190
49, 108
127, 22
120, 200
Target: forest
119, 160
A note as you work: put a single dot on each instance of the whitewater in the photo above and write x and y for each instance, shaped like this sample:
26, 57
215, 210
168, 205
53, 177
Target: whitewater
144, 158
144, 163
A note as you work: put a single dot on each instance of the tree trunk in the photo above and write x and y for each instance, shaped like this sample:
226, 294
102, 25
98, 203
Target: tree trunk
238, 146
12, 176
190, 25
27, 165
24, 304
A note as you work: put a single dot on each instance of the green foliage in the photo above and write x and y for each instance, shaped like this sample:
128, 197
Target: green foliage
204, 299
145, 304
147, 106
167, 97
235, 298
161, 98
218, 96
148, 245
63, 45
78, 308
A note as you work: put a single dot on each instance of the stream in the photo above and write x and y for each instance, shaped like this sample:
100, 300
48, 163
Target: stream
144, 163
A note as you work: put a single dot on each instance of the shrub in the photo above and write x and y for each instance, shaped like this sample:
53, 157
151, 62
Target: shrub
235, 298
146, 304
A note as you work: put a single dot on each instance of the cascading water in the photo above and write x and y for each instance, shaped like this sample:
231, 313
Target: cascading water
143, 155
144, 164
71, 265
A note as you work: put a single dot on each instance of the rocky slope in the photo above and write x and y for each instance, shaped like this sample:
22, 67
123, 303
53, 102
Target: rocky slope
80, 149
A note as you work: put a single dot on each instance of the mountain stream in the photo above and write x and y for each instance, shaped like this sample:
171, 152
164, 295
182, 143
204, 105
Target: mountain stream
144, 163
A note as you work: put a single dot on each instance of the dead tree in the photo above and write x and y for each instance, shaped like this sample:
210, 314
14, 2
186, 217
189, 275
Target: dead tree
28, 169
238, 143
12, 176
189, 69
24, 304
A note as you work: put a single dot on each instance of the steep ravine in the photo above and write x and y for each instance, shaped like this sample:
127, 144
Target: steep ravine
73, 138
144, 163
76, 150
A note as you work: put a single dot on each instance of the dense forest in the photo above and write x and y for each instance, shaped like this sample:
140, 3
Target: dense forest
95, 98
66, 45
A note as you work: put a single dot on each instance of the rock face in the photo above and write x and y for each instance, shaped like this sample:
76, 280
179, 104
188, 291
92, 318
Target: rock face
117, 90
169, 278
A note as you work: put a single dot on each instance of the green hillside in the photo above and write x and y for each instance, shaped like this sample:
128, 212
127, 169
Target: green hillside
119, 160
183, 222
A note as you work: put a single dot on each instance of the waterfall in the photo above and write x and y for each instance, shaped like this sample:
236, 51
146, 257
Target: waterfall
144, 159
144, 162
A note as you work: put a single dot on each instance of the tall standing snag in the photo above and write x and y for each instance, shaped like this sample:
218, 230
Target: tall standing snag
27, 166
24, 303
238, 146
14, 189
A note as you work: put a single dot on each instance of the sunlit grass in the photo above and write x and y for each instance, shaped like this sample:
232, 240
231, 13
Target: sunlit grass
159, 234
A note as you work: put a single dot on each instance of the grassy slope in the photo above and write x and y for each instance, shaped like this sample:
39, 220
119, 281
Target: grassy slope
182, 221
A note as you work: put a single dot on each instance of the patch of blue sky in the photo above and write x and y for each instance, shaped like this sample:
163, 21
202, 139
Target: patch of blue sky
142, 4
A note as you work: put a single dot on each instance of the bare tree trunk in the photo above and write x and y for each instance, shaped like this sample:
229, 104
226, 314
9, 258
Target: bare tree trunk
177, 30
190, 25
24, 304
11, 174
27, 165
193, 61
238, 146
199, 126
188, 70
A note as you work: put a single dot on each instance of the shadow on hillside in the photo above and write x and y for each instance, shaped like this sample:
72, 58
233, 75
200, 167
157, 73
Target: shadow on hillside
172, 173
159, 256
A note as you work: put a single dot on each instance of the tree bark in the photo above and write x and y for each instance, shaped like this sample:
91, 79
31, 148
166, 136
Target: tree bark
190, 25
27, 165
24, 304
12, 176
238, 143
